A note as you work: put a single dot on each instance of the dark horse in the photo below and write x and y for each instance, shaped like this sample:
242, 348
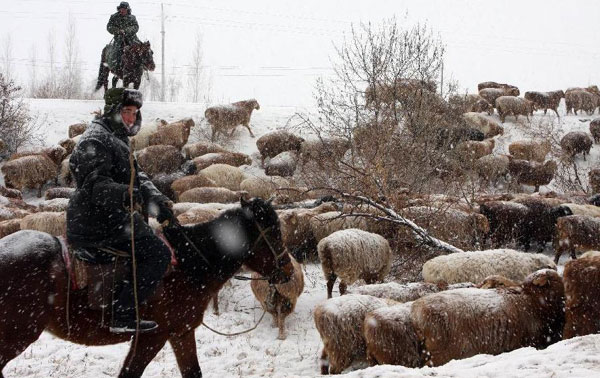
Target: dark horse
136, 58
34, 286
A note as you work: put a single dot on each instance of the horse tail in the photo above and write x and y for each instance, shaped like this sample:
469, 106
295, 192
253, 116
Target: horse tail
102, 72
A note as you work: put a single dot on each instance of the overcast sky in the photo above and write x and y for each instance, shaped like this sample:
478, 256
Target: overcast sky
274, 50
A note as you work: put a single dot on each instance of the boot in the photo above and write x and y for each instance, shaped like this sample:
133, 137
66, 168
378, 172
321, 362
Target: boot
128, 325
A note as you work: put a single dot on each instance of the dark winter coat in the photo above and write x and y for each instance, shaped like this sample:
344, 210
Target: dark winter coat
128, 24
101, 168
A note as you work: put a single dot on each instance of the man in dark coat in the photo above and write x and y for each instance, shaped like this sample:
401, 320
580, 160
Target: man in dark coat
99, 212
123, 26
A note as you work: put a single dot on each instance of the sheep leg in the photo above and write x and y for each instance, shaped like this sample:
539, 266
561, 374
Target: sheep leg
216, 304
324, 362
250, 131
342, 287
330, 281
232, 131
555, 111
39, 192
212, 136
281, 324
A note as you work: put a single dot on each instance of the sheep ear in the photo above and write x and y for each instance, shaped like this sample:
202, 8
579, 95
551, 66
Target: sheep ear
541, 280
244, 202
270, 200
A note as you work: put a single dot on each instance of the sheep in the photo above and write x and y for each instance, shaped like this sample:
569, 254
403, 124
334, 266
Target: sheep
9, 226
324, 224
276, 142
141, 139
533, 150
495, 281
492, 84
531, 172
282, 165
186, 183
461, 229
404, 292
470, 151
545, 100
595, 129
77, 129
582, 290
388, 93
506, 220
182, 207
68, 144
174, 134
353, 254
225, 175
491, 94
10, 193
210, 194
65, 178
575, 142
492, 167
164, 181
489, 127
54, 153
594, 179
279, 299
325, 149
390, 337
224, 117
263, 187
235, 159
157, 159
8, 212
31, 171
198, 215
340, 325
539, 223
54, 205
54, 223
513, 105
461, 323
475, 266
576, 233
471, 103
194, 150
451, 136
581, 100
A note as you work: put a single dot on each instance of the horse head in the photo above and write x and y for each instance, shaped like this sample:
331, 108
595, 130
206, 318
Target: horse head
268, 255
147, 56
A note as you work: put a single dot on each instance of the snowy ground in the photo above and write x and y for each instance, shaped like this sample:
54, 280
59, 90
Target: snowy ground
259, 353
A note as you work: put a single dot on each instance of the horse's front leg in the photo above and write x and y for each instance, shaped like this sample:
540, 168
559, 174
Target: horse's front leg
145, 350
115, 80
184, 347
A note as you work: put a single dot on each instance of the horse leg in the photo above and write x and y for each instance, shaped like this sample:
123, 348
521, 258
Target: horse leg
115, 80
184, 347
281, 324
137, 360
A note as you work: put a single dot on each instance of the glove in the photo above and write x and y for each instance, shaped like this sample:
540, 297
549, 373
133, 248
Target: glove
165, 211
137, 199
121, 31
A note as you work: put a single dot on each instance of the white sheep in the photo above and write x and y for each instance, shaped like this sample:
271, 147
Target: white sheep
174, 134
235, 159
535, 150
406, 292
324, 224
156, 159
210, 194
141, 139
225, 175
193, 150
31, 171
264, 187
353, 254
186, 183
283, 164
276, 142
54, 205
224, 117
340, 323
489, 127
513, 105
475, 266
54, 223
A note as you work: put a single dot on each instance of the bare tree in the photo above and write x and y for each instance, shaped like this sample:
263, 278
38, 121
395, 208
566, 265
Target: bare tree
48, 88
196, 71
33, 70
173, 84
7, 52
71, 81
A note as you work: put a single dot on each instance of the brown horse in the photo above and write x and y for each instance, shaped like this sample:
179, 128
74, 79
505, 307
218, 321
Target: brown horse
136, 58
34, 287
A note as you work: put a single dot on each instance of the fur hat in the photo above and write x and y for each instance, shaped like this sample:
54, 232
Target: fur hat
124, 4
117, 98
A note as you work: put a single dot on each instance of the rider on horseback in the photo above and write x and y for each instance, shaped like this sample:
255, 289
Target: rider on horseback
99, 212
123, 26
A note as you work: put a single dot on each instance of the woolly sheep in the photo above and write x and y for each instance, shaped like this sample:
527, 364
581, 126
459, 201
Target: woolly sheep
279, 299
461, 323
491, 94
470, 103
186, 183
157, 159
54, 205
8, 212
235, 159
174, 134
391, 338
475, 266
224, 117
325, 224
516, 106
77, 129
492, 167
575, 142
225, 175
340, 324
141, 139
319, 150
470, 151
193, 150
68, 144
65, 178
31, 171
406, 292
535, 150
54, 153
210, 194
164, 181
538, 224
489, 127
576, 233
595, 129
282, 165
198, 215
545, 100
54, 223
10, 193
493, 84
181, 207
263, 187
582, 291
531, 172
581, 100
9, 226
594, 178
353, 254
276, 142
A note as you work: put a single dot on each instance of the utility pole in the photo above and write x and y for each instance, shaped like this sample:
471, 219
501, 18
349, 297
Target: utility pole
442, 81
162, 31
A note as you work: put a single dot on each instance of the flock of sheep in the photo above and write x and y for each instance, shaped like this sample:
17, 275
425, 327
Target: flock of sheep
482, 301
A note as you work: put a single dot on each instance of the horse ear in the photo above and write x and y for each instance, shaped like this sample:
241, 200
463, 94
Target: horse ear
243, 201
